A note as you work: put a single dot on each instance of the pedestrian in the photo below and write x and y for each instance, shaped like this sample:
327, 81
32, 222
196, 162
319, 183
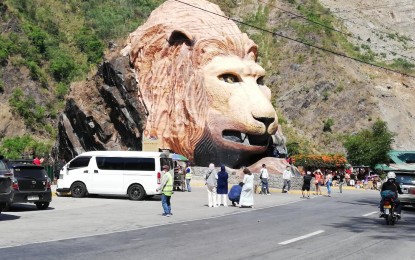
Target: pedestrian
317, 181
306, 184
264, 180
58, 166
247, 193
341, 181
222, 187
189, 175
166, 188
235, 194
36, 161
211, 178
328, 182
286, 175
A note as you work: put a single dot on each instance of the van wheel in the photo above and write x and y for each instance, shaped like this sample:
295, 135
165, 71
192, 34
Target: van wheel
78, 190
136, 192
42, 205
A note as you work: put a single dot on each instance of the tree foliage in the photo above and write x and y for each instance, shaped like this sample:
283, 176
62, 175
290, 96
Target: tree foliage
15, 147
370, 146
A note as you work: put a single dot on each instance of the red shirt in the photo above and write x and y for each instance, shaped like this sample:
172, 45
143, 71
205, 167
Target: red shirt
36, 161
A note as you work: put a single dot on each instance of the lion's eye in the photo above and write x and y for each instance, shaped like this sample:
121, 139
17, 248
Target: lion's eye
260, 81
229, 78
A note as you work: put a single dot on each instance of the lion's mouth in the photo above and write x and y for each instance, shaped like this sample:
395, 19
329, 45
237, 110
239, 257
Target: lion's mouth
247, 139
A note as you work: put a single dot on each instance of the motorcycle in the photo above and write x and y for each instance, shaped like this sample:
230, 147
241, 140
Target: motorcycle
389, 209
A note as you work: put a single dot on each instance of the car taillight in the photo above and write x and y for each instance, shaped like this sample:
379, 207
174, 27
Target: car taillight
411, 190
158, 178
48, 183
15, 185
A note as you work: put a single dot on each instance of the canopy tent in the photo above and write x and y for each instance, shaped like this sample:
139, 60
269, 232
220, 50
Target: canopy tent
178, 157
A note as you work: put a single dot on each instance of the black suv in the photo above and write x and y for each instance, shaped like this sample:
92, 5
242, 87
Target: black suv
31, 184
6, 192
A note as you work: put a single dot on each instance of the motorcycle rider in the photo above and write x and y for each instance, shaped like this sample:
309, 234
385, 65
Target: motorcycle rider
391, 185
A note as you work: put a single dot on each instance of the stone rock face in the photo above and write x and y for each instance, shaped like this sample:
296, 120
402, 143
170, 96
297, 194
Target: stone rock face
103, 113
199, 92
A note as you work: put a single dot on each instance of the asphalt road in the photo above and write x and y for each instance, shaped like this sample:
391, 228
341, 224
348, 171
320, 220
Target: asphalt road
281, 226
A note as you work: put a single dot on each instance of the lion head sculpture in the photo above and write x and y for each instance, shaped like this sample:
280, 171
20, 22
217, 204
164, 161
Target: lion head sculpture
204, 91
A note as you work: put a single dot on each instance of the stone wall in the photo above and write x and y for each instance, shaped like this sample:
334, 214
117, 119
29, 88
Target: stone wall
275, 180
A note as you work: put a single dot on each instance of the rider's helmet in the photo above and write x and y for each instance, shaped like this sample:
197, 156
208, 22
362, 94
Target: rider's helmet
391, 175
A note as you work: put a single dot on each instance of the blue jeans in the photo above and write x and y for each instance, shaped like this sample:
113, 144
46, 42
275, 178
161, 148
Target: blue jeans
265, 189
189, 189
165, 202
328, 184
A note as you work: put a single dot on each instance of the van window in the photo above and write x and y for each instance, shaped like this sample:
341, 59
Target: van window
110, 163
166, 161
79, 162
140, 164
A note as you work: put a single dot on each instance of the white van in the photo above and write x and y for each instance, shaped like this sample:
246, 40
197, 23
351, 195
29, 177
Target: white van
130, 173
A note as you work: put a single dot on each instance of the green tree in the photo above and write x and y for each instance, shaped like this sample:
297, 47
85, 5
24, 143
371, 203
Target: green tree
14, 147
370, 146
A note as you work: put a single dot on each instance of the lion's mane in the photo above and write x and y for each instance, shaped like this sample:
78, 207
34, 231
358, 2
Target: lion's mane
168, 53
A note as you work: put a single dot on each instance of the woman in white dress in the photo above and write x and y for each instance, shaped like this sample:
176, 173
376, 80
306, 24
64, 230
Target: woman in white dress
247, 194
211, 178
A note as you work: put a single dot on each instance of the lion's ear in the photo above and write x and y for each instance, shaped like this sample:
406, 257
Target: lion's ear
180, 37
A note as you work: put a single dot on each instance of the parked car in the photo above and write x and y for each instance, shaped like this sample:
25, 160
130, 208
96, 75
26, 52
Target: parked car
6, 191
407, 182
31, 184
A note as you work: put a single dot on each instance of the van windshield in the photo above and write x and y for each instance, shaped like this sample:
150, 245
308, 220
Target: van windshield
2, 165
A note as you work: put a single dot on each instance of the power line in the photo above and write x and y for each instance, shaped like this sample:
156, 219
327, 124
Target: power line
333, 29
295, 40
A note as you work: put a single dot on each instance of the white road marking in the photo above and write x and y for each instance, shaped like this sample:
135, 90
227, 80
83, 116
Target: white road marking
368, 214
302, 237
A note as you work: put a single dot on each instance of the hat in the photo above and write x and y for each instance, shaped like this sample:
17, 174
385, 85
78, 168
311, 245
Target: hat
166, 167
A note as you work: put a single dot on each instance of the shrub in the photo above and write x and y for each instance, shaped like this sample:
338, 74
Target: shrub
328, 124
89, 43
15, 147
61, 90
62, 66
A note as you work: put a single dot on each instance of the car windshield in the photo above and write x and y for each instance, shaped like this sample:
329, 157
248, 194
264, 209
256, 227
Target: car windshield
2, 165
28, 172
405, 179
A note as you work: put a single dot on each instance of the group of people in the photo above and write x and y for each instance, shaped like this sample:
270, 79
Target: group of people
217, 188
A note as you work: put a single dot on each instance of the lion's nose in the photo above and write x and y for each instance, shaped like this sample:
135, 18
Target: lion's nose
266, 120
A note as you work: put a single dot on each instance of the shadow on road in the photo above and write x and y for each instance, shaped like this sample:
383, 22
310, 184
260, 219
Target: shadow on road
26, 207
6, 217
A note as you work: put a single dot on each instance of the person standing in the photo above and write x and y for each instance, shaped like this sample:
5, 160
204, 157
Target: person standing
36, 161
328, 181
286, 175
166, 187
222, 187
247, 194
211, 178
264, 180
188, 176
306, 184
341, 181
58, 166
317, 179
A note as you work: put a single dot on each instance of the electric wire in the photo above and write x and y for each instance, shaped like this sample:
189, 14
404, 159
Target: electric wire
333, 29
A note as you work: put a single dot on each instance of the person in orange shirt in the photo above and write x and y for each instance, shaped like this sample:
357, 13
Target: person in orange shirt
317, 181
